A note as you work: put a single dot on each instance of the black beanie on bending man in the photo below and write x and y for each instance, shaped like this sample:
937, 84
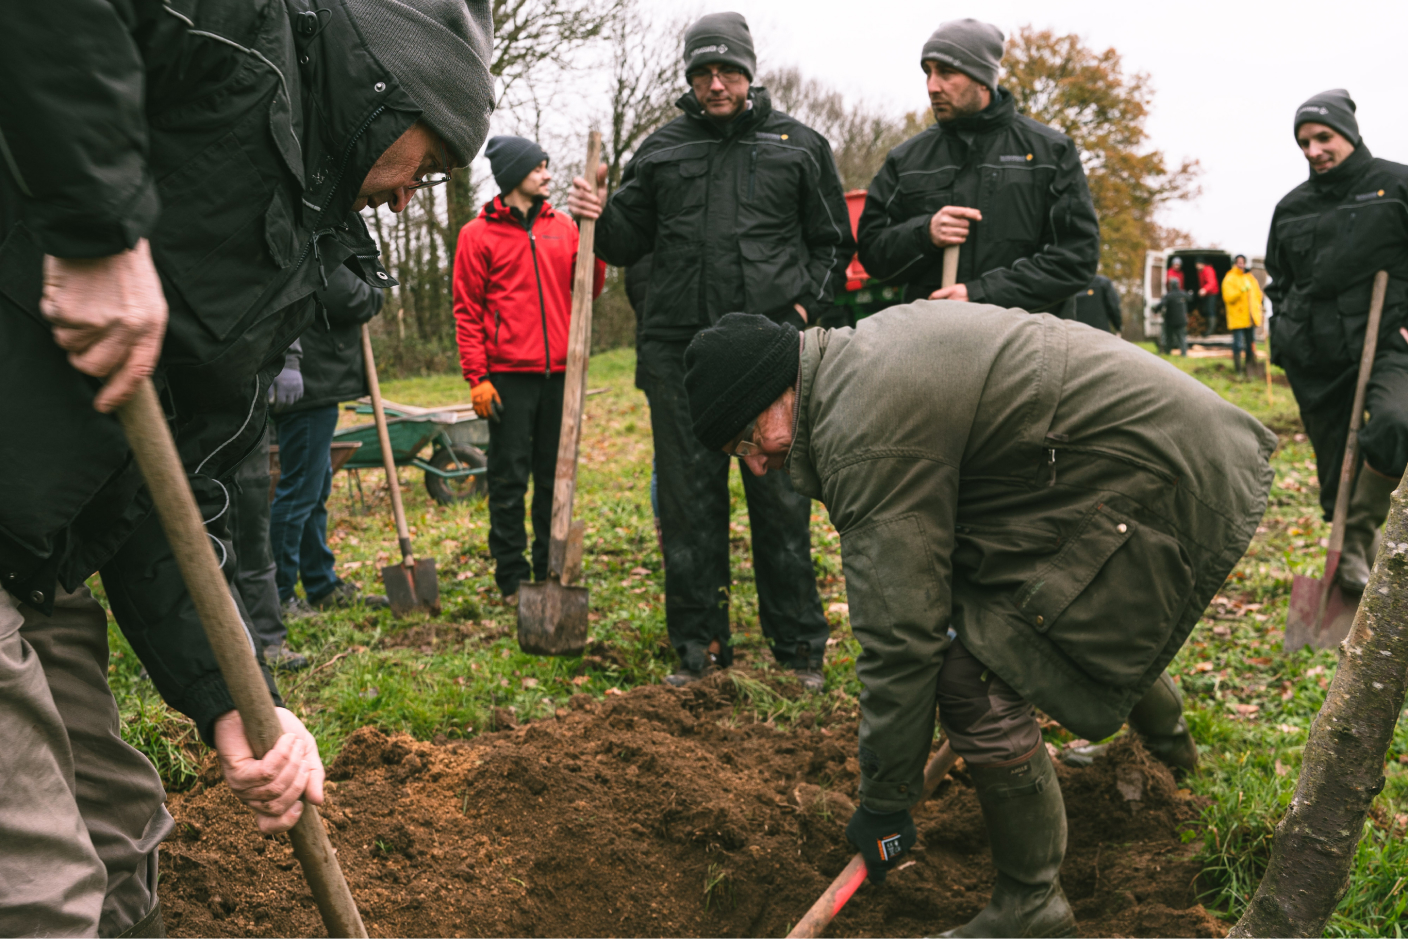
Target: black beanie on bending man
511, 159
973, 47
1335, 109
723, 39
734, 370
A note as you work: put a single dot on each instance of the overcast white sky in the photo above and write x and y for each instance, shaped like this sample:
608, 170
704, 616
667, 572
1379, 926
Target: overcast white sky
1227, 77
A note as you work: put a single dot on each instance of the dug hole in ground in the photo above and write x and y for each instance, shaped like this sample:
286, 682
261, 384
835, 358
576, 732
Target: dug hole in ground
659, 812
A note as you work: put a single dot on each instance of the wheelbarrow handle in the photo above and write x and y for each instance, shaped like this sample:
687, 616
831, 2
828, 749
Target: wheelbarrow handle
145, 425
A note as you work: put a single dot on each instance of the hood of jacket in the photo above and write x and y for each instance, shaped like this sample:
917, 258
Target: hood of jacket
758, 98
999, 113
1338, 180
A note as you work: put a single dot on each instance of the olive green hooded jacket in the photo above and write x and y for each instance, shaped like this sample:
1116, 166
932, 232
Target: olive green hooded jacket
1066, 502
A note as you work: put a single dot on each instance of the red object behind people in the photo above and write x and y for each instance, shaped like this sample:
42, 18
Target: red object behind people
1176, 274
1207, 280
856, 275
512, 315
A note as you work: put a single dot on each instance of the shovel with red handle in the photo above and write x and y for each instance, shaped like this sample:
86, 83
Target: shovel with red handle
1321, 613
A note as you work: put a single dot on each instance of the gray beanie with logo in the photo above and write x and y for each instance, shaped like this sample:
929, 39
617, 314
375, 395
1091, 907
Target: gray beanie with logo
721, 39
972, 47
438, 51
1335, 109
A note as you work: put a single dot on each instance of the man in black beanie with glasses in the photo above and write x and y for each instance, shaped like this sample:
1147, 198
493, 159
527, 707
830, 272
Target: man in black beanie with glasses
1065, 503
1329, 237
741, 208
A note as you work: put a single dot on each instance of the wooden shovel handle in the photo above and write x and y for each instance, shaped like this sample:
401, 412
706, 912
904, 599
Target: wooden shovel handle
388, 459
579, 340
1356, 416
847, 882
950, 265
151, 443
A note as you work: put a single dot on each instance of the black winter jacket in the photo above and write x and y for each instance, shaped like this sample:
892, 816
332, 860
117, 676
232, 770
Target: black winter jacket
1039, 241
233, 135
330, 350
745, 216
1329, 236
1099, 305
1174, 306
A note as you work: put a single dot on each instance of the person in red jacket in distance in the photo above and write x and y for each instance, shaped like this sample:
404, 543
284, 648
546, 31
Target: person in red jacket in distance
513, 307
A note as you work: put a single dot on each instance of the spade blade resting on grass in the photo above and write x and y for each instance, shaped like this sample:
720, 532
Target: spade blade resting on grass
552, 614
1321, 614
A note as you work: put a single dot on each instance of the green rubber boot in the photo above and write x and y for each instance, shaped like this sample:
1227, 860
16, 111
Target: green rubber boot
1368, 508
1158, 720
1026, 820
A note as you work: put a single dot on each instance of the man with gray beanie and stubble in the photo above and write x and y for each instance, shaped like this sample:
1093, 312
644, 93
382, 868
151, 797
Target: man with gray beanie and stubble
742, 208
1010, 191
177, 182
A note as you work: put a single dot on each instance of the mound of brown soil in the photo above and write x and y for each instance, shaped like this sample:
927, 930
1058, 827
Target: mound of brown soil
660, 812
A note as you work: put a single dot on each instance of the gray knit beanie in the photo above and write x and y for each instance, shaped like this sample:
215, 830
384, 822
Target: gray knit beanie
734, 369
1333, 108
721, 38
438, 52
972, 47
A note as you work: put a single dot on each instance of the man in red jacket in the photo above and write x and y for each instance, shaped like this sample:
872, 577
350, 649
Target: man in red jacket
1209, 291
513, 306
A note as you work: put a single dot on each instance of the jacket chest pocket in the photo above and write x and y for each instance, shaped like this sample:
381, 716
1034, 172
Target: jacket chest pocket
1110, 600
926, 191
774, 275
681, 185
1014, 199
1297, 246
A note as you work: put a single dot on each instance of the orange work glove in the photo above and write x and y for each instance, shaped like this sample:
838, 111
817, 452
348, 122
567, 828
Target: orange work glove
483, 395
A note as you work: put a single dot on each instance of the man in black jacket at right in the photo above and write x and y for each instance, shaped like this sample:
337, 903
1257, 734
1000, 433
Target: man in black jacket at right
1099, 305
1329, 237
742, 208
1009, 190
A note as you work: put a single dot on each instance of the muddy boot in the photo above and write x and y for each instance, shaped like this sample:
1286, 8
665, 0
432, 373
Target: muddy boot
1368, 508
1158, 720
1026, 821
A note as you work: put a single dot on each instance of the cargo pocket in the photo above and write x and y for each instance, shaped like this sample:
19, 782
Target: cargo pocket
926, 191
1112, 597
1018, 199
675, 286
892, 583
773, 275
217, 249
682, 184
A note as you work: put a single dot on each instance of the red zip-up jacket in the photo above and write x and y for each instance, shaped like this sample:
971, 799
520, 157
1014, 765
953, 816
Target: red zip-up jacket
513, 291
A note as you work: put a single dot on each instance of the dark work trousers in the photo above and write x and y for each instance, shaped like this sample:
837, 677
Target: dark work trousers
255, 571
298, 519
1210, 317
522, 442
694, 517
1326, 402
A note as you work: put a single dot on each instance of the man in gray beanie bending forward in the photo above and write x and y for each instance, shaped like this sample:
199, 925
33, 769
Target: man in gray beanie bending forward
1011, 192
742, 208
1064, 502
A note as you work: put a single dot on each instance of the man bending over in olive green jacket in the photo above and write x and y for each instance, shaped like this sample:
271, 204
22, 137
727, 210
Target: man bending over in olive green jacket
1065, 505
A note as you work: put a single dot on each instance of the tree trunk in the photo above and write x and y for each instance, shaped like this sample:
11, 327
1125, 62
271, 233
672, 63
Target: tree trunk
1343, 768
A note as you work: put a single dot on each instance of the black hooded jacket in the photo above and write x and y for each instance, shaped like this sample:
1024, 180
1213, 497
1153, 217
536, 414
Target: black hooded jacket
1039, 241
1329, 236
747, 216
234, 136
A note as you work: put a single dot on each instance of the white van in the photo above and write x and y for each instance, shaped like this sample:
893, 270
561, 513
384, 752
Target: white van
1156, 265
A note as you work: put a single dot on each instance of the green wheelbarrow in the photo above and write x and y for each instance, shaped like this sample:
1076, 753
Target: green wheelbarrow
457, 463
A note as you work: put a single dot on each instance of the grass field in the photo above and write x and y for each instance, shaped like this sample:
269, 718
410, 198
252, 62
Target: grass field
1250, 705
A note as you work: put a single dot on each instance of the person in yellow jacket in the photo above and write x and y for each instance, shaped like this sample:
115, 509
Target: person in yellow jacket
1241, 294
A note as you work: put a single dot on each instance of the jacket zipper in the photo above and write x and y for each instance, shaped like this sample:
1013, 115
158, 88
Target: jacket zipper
752, 171
542, 308
341, 169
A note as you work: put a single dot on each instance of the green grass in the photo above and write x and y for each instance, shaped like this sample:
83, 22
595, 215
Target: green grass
1249, 705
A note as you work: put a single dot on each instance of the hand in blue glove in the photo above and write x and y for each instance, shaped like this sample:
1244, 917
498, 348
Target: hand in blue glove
287, 387
881, 837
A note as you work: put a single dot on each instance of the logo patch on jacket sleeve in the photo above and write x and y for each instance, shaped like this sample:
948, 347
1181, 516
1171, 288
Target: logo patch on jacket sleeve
890, 847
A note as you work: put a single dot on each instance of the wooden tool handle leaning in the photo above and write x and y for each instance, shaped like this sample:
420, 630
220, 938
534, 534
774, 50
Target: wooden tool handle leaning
1356, 416
847, 882
575, 381
388, 459
151, 443
950, 265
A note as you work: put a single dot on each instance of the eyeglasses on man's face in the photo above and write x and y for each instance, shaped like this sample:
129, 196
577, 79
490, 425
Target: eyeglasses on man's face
744, 445
704, 77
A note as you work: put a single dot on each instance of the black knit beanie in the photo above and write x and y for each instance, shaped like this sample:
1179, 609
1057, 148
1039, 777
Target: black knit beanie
722, 38
734, 370
973, 47
1335, 109
511, 159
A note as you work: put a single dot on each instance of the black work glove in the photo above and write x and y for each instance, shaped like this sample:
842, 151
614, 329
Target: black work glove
881, 837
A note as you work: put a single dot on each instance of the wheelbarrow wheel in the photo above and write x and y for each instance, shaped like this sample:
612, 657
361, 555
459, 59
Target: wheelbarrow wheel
449, 491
